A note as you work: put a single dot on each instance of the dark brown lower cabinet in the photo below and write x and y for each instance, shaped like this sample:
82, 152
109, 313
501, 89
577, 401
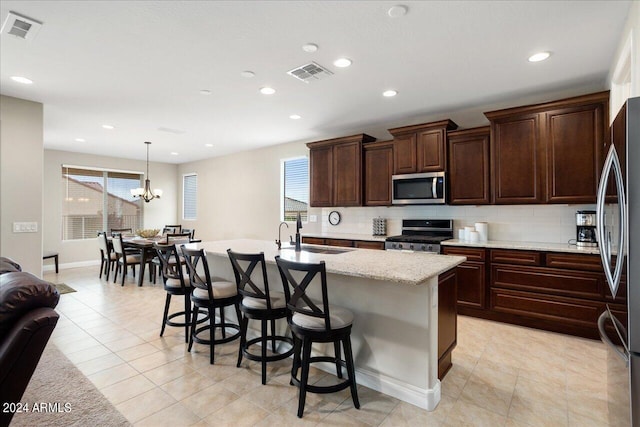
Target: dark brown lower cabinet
447, 320
362, 244
560, 292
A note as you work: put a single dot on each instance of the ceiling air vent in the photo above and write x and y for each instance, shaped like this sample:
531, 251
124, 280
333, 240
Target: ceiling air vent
20, 26
310, 72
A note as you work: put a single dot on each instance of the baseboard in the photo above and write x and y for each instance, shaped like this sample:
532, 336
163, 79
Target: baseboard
51, 267
423, 398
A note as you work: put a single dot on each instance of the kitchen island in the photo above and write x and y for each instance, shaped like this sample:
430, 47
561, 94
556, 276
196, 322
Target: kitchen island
395, 300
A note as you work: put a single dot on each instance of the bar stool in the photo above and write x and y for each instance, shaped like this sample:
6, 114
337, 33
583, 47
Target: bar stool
258, 303
316, 322
209, 294
174, 284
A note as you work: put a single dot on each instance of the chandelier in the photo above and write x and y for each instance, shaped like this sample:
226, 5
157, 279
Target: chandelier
145, 193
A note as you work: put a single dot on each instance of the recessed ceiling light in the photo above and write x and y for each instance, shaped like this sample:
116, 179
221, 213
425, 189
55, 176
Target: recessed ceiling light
397, 11
310, 47
208, 145
110, 127
295, 117
23, 80
389, 93
540, 56
342, 62
205, 92
267, 90
247, 74
81, 140
173, 153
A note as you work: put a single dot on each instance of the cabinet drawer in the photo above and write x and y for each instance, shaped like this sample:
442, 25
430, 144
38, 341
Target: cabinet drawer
574, 261
558, 310
365, 244
516, 257
313, 240
471, 253
548, 281
339, 242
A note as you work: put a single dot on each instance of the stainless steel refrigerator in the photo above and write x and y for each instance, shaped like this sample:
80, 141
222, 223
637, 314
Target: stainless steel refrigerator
618, 226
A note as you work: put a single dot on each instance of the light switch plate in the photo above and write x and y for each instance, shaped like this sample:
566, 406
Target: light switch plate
25, 227
313, 218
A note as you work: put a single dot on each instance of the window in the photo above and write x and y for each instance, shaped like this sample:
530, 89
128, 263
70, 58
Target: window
96, 200
189, 196
295, 188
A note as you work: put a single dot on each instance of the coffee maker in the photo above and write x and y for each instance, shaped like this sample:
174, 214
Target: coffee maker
586, 229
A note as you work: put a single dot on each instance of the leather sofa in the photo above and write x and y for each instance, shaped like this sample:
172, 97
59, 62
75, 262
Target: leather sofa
27, 319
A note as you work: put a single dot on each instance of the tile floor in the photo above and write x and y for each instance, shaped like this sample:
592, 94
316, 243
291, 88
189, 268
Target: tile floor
503, 375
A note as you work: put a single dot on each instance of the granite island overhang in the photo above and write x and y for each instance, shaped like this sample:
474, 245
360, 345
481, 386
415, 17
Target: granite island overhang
394, 298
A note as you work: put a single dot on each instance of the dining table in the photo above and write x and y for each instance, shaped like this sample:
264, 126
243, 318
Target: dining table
146, 247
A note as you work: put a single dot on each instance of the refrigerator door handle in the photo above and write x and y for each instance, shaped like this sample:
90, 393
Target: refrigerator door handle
612, 163
605, 338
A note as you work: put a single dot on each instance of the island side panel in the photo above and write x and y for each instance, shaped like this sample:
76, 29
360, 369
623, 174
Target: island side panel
447, 320
394, 335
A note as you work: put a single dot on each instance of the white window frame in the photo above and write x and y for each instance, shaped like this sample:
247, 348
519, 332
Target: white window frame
184, 176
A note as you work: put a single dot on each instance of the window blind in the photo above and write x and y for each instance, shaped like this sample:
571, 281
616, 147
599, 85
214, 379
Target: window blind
189, 196
295, 188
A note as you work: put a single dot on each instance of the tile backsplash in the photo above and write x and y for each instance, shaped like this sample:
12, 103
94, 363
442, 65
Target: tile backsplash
533, 223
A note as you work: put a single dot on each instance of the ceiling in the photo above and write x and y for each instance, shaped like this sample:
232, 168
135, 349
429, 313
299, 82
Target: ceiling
141, 66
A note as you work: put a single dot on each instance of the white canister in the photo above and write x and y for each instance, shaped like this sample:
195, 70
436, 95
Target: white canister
474, 236
467, 232
461, 235
483, 231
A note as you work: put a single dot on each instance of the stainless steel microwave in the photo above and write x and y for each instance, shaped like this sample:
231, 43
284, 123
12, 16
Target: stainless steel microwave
419, 189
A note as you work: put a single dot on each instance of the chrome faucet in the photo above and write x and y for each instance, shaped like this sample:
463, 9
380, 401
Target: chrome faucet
279, 241
298, 227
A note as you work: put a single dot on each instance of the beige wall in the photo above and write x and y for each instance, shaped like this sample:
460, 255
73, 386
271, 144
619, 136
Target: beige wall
21, 180
157, 213
239, 194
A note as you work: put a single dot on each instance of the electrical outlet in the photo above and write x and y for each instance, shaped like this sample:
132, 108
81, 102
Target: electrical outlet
25, 227
313, 218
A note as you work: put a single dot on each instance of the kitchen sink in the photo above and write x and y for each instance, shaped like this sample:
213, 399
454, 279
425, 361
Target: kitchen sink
318, 250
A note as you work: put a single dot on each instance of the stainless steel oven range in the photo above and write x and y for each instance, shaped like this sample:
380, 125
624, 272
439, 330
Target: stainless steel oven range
421, 235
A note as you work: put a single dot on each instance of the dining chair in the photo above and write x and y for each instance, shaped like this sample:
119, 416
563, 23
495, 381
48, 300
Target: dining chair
125, 259
177, 228
108, 258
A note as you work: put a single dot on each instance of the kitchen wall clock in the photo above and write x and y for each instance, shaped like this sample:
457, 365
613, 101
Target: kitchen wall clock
334, 218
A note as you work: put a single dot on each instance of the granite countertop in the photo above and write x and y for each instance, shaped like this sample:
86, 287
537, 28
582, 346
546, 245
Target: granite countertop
346, 236
531, 246
393, 266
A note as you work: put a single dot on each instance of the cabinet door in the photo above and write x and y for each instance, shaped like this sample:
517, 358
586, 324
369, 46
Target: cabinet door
378, 168
347, 173
404, 154
321, 176
469, 168
430, 151
517, 156
574, 142
365, 244
472, 276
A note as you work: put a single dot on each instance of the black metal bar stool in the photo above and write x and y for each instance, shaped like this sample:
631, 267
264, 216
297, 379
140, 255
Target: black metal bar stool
258, 303
209, 294
316, 322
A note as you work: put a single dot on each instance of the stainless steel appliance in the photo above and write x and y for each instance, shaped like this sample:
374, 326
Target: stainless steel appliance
618, 226
422, 235
418, 189
586, 229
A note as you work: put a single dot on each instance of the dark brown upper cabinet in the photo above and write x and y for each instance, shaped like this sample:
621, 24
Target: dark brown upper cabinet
421, 148
469, 166
335, 171
378, 169
548, 153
